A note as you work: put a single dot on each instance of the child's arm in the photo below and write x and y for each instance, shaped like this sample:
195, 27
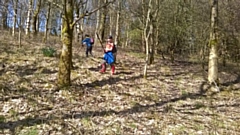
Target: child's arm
109, 48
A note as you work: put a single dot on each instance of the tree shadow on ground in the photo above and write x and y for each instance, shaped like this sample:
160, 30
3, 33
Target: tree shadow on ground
97, 69
110, 81
236, 81
124, 72
29, 70
29, 121
137, 108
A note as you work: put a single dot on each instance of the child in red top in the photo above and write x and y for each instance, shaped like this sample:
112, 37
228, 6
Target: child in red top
108, 57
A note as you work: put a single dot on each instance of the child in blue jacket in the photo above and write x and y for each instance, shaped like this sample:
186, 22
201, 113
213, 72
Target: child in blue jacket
87, 42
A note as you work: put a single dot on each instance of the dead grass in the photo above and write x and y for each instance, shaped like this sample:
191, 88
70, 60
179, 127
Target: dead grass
173, 100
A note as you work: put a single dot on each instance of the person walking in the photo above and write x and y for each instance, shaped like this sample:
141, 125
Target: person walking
108, 57
88, 42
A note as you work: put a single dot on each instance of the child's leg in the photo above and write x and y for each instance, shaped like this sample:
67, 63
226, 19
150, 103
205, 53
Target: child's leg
90, 50
112, 69
103, 69
87, 51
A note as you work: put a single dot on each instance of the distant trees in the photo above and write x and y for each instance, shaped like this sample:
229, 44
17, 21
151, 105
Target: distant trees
229, 16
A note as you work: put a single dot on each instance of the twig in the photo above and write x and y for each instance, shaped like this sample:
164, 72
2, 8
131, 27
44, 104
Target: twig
100, 41
91, 12
218, 89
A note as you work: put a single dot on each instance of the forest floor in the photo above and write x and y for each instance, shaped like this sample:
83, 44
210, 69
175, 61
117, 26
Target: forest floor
175, 99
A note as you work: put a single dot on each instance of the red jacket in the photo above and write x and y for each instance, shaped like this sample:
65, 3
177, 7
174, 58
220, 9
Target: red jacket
109, 47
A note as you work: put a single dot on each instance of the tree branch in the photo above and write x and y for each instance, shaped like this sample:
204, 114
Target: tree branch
91, 12
57, 5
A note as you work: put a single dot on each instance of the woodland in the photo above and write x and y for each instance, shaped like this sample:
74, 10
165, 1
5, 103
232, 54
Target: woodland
177, 67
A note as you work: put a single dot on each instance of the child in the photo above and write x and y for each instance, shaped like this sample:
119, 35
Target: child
88, 43
108, 56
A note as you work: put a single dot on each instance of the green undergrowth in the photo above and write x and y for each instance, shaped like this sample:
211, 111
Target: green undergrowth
48, 51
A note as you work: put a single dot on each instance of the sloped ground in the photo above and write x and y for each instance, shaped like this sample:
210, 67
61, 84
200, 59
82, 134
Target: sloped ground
175, 99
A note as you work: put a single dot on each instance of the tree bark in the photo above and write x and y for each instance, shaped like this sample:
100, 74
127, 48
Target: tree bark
28, 17
155, 30
47, 22
97, 23
64, 73
35, 17
213, 43
117, 33
146, 37
77, 37
103, 21
4, 13
15, 3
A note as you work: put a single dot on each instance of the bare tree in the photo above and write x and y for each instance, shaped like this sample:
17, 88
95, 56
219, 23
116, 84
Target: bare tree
65, 63
213, 43
98, 19
15, 6
4, 13
103, 20
35, 17
155, 29
47, 21
27, 30
64, 71
118, 20
147, 32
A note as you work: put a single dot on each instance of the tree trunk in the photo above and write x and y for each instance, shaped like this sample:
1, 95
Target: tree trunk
154, 37
47, 22
152, 48
142, 32
146, 37
111, 23
117, 33
20, 28
28, 17
4, 7
35, 18
127, 37
77, 37
103, 21
15, 3
81, 25
213, 56
97, 23
19, 38
61, 26
64, 73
